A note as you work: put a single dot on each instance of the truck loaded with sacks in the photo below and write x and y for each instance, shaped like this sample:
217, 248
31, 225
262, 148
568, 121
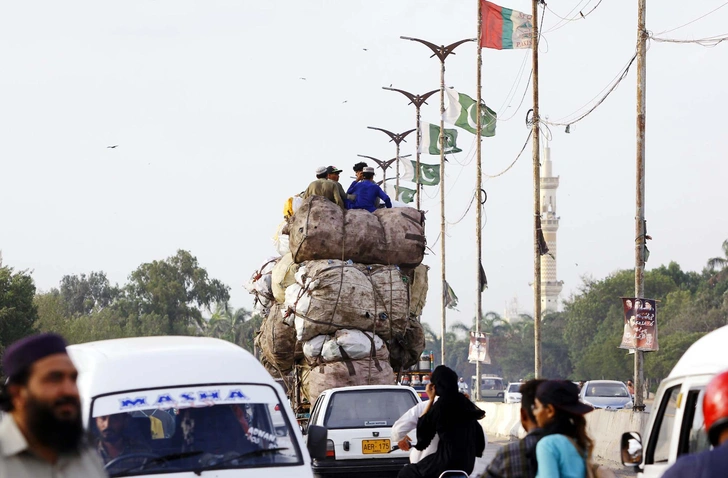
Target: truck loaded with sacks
342, 301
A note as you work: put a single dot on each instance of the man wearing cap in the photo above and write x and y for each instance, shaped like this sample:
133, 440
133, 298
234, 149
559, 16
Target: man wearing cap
333, 175
323, 187
42, 433
367, 192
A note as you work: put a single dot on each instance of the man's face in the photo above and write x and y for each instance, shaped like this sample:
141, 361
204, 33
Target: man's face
359, 175
334, 177
111, 426
49, 403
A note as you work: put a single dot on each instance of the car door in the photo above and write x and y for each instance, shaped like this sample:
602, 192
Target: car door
359, 422
663, 438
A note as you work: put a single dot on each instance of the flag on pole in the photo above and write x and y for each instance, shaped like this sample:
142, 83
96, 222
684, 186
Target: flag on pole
462, 111
503, 28
406, 195
429, 173
483, 279
430, 144
451, 300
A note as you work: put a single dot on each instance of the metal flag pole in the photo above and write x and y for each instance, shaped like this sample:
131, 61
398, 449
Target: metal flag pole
442, 52
536, 199
639, 256
397, 138
479, 209
418, 101
384, 164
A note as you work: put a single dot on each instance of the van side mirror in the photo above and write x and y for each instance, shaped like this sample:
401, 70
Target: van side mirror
316, 442
631, 449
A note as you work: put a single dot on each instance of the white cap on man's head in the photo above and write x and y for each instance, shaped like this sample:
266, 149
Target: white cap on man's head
368, 169
321, 170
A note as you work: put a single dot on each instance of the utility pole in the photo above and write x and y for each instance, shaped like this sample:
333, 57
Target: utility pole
397, 138
384, 164
536, 199
418, 101
639, 255
478, 198
442, 52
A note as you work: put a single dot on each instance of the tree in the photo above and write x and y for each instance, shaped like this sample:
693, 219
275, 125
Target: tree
172, 292
18, 313
719, 262
229, 324
83, 294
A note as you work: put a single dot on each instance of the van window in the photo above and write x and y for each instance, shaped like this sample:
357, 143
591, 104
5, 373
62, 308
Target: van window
693, 438
660, 451
367, 408
192, 429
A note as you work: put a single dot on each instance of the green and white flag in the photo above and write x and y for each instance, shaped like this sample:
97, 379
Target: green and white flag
429, 173
431, 139
451, 300
462, 111
406, 195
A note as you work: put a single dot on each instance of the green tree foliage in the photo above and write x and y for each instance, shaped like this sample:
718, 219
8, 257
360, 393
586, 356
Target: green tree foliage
83, 294
18, 313
238, 326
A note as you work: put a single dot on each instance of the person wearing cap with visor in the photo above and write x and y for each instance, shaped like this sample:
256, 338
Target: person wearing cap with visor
565, 448
709, 463
367, 192
323, 187
332, 174
42, 432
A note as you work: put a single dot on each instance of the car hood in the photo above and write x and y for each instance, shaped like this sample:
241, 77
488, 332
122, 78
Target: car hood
608, 402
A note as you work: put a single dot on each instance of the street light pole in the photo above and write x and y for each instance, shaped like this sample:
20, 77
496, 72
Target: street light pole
397, 138
536, 200
442, 52
384, 164
418, 101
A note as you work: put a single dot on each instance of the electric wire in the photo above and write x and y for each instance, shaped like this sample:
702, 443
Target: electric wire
528, 138
708, 42
695, 20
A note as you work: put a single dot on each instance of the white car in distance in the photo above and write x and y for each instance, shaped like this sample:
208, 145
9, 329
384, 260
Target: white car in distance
513, 394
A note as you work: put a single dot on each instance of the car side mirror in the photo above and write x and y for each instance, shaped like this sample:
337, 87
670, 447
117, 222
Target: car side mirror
316, 442
631, 449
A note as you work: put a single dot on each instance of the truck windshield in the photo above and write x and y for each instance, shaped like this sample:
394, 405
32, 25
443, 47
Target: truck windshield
367, 408
192, 429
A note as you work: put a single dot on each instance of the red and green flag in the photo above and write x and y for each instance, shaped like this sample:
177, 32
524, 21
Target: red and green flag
503, 28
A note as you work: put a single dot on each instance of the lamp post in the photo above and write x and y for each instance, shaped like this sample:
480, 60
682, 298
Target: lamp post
397, 138
441, 52
418, 101
384, 164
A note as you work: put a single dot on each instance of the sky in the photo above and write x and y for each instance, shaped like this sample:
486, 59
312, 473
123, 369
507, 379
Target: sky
221, 110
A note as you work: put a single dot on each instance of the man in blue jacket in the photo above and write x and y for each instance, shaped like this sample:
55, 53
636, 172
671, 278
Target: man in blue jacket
367, 191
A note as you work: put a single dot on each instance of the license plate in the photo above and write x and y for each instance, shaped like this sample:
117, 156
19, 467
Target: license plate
369, 447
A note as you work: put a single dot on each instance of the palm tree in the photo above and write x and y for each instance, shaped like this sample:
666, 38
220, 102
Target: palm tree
719, 262
229, 324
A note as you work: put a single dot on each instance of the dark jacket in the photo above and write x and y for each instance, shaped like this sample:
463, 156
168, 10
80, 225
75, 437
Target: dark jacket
706, 464
455, 419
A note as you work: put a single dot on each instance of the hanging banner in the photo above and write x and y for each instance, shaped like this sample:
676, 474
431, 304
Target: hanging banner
479, 350
640, 324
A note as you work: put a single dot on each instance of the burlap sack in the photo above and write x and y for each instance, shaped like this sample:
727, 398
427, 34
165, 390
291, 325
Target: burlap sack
405, 349
321, 230
277, 342
418, 288
282, 276
343, 374
332, 295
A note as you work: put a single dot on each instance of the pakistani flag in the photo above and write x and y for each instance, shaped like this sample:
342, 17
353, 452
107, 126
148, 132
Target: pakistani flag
462, 111
406, 195
429, 173
431, 139
451, 300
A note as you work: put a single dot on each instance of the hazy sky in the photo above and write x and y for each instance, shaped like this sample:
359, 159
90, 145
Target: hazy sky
216, 129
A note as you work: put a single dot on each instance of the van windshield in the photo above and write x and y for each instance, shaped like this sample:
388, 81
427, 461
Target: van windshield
194, 428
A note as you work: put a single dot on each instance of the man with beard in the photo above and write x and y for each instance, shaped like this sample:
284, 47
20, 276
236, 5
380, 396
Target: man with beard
114, 441
42, 434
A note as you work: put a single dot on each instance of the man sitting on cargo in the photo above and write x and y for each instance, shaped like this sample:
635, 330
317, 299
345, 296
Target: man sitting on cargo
333, 175
367, 191
324, 187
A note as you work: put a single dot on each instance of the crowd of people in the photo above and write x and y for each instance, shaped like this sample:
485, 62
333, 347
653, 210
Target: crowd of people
363, 193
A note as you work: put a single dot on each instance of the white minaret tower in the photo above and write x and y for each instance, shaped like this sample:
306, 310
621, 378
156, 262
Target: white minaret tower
550, 285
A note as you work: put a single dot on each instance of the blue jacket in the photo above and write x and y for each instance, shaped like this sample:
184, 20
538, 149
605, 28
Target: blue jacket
705, 464
367, 193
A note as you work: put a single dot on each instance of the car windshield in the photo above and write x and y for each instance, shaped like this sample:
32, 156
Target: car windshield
192, 429
515, 387
606, 390
367, 408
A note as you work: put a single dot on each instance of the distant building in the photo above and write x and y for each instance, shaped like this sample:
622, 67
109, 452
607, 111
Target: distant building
550, 285
511, 313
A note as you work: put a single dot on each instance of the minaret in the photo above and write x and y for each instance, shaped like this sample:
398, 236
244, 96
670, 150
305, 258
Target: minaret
550, 285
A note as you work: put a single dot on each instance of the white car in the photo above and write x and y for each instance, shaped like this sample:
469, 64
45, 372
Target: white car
607, 394
359, 423
512, 394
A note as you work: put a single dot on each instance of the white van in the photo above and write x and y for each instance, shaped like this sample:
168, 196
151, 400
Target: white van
186, 407
675, 426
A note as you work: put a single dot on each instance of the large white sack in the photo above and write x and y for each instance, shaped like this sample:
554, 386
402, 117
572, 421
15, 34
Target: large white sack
334, 295
281, 240
259, 285
356, 345
282, 276
312, 348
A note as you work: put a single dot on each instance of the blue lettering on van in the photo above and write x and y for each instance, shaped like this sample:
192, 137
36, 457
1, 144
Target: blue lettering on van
213, 395
187, 397
166, 398
129, 403
236, 394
